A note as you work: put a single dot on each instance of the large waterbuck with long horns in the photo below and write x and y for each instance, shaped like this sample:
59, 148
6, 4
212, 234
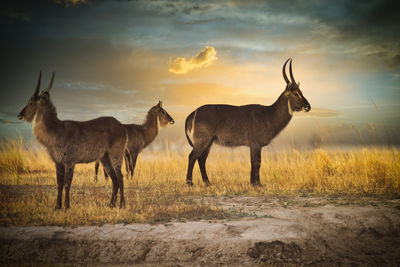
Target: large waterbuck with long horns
72, 142
140, 136
250, 125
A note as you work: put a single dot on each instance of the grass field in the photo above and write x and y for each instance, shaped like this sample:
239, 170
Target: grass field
158, 191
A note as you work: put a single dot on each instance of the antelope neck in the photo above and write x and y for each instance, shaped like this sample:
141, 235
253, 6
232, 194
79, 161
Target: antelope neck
282, 112
150, 128
46, 125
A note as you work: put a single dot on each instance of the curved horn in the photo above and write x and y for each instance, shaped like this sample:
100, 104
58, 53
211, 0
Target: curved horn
291, 73
36, 93
51, 83
284, 72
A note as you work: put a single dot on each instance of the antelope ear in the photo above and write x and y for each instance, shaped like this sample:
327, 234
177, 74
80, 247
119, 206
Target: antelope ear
160, 103
288, 89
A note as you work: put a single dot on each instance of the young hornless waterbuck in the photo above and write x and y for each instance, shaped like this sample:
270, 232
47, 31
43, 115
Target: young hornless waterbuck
72, 142
250, 125
140, 136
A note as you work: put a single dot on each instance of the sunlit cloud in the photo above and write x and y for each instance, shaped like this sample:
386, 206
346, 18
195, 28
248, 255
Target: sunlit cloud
203, 59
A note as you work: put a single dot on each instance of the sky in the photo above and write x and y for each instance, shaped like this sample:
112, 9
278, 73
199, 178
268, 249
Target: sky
118, 58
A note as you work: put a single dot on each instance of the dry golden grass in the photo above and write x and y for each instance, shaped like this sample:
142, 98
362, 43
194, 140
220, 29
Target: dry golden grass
158, 191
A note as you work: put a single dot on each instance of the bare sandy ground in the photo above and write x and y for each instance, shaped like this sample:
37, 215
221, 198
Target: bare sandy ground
268, 231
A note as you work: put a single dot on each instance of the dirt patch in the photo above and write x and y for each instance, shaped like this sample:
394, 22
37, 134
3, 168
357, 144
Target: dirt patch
260, 231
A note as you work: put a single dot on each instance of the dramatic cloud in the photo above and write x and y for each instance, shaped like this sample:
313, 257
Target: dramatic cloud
4, 121
109, 58
395, 61
72, 2
326, 113
203, 59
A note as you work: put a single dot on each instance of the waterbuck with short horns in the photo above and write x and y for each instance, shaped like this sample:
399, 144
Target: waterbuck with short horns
250, 125
140, 136
72, 142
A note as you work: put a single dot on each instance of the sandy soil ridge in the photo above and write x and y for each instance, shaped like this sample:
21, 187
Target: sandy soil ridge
331, 235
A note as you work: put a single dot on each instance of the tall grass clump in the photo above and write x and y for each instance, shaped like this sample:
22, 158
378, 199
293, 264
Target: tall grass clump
12, 161
158, 191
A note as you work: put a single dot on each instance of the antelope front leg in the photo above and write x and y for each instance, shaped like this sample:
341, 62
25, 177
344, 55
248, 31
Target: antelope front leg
120, 182
133, 163
255, 153
96, 170
60, 170
127, 159
69, 173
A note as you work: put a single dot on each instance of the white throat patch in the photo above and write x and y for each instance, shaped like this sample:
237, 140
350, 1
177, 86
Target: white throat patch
34, 121
158, 123
289, 107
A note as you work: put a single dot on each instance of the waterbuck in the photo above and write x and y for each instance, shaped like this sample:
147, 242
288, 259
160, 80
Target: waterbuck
72, 142
140, 136
250, 125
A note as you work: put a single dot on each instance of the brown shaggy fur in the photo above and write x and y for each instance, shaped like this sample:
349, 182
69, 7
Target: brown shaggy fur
140, 136
250, 125
72, 142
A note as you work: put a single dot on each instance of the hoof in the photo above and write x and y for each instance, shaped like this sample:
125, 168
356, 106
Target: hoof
57, 207
189, 183
208, 184
257, 184
111, 205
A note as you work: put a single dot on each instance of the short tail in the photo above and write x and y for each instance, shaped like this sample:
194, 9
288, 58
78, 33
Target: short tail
188, 127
